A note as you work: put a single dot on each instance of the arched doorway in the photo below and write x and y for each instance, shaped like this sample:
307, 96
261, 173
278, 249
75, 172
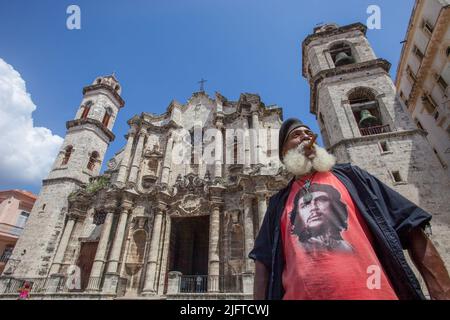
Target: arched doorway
189, 243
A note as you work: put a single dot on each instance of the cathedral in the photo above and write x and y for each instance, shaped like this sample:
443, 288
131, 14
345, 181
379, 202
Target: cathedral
177, 210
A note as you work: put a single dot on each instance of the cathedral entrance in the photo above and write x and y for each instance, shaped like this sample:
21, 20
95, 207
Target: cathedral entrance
86, 260
189, 243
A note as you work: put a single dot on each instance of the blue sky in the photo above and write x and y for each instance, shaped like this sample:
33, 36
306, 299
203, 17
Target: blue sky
161, 49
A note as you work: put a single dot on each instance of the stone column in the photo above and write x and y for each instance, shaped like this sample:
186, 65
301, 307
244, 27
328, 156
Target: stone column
58, 260
122, 175
173, 283
112, 275
165, 253
167, 161
262, 207
55, 277
248, 232
150, 274
100, 254
213, 257
137, 156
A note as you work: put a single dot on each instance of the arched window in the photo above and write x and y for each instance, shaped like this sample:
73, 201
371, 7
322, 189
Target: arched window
366, 111
67, 154
341, 53
107, 117
92, 160
86, 109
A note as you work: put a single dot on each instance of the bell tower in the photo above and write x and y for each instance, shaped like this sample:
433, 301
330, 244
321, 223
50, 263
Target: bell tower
362, 120
80, 158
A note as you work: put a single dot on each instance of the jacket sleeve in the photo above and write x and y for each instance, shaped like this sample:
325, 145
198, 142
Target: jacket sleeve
401, 214
262, 250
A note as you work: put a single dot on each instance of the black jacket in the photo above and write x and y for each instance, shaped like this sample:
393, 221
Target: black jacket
388, 215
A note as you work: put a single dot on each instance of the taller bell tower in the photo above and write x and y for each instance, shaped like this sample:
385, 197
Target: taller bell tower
362, 120
80, 158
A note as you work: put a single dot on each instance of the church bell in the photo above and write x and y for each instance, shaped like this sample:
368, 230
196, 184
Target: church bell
368, 120
342, 59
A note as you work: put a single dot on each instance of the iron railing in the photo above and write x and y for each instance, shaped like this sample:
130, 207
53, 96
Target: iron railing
374, 130
12, 285
41, 285
5, 256
209, 283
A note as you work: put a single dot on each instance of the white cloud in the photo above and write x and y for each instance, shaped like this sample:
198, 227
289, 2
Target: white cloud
26, 152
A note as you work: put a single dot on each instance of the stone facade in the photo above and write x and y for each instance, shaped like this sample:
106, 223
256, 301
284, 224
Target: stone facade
151, 226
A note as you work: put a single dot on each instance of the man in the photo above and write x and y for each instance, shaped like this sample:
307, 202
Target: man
337, 232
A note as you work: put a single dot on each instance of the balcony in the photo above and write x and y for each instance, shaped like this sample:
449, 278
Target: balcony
374, 130
10, 229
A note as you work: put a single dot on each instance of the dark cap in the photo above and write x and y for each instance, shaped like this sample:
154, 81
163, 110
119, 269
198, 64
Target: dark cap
286, 128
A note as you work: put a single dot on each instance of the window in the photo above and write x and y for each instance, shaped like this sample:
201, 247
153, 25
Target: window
341, 54
67, 154
92, 160
429, 103
106, 117
411, 74
419, 125
43, 206
22, 219
427, 27
442, 83
7, 253
99, 218
396, 176
384, 146
269, 145
417, 52
85, 113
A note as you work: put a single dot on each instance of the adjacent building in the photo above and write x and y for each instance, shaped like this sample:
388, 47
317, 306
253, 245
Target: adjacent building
423, 74
15, 208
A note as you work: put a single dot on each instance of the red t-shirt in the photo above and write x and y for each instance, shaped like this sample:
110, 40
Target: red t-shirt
327, 245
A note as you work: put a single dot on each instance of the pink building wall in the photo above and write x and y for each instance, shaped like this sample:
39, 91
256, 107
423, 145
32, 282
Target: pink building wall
15, 205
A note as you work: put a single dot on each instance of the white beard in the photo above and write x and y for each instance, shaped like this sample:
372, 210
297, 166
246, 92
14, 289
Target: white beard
298, 164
